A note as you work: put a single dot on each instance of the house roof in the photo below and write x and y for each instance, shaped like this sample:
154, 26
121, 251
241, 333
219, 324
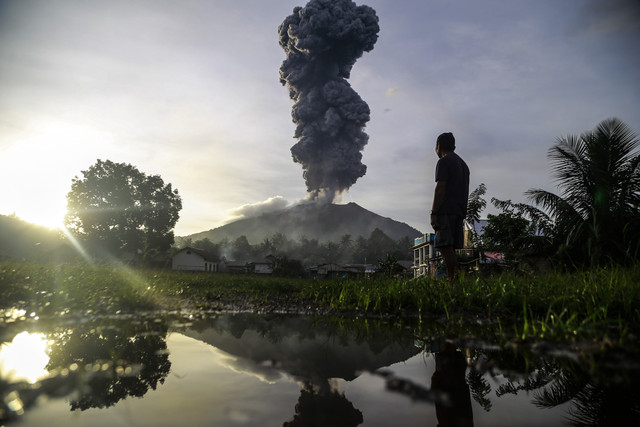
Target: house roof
347, 268
200, 252
405, 264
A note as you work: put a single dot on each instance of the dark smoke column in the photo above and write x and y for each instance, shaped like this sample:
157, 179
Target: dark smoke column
322, 41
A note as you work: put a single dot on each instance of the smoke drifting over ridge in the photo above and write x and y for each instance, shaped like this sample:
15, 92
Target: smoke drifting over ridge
322, 42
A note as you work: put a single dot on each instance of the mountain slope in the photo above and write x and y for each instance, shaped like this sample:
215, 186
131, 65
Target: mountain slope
325, 222
22, 240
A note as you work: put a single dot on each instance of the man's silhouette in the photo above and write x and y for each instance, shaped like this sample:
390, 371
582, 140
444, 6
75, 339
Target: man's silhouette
449, 201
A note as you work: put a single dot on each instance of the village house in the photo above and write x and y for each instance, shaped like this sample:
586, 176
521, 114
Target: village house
332, 271
425, 256
264, 266
192, 259
234, 267
247, 267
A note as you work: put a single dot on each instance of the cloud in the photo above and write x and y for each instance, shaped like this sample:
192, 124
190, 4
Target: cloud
249, 210
611, 16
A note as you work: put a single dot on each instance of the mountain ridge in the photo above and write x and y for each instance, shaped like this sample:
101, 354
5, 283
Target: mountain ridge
322, 221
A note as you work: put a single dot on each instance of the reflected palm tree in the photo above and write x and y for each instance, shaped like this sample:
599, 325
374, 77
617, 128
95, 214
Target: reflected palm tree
595, 395
480, 389
593, 400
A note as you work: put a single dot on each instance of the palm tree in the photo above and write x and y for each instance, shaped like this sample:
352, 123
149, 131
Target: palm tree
597, 213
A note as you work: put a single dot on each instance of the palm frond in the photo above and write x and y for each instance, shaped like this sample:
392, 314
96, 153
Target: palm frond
557, 207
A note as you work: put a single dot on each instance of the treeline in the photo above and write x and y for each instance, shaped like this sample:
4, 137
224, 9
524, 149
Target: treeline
22, 240
349, 250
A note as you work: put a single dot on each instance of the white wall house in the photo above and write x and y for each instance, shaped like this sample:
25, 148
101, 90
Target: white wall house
193, 259
425, 256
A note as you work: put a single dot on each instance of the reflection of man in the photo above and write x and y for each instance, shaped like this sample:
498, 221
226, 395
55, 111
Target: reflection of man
453, 403
449, 201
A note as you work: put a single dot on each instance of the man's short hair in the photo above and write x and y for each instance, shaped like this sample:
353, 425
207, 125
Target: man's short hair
447, 141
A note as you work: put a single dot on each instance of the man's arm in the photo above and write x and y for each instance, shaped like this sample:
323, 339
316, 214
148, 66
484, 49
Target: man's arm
438, 199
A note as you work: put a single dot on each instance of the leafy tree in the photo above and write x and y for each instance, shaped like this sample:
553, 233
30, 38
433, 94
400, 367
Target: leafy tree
211, 249
283, 266
405, 248
388, 266
331, 252
279, 242
476, 204
379, 245
346, 248
360, 250
115, 209
241, 249
309, 251
508, 232
596, 216
267, 247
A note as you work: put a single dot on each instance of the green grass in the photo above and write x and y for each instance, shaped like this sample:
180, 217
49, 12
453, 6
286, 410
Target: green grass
549, 305
542, 306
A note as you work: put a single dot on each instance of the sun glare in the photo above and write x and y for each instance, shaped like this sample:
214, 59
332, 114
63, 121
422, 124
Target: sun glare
25, 358
37, 168
50, 218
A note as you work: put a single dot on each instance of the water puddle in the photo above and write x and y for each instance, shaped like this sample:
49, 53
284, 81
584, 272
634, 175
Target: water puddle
271, 370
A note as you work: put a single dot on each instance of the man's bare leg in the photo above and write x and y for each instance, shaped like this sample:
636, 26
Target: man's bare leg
450, 261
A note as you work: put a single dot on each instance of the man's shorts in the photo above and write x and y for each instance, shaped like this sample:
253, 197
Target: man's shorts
450, 232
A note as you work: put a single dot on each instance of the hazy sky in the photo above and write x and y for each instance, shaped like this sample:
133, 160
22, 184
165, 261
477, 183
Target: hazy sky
190, 90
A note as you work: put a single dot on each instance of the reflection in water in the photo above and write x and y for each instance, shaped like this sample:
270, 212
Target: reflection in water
597, 391
315, 351
312, 349
24, 358
453, 400
324, 406
606, 395
449, 388
98, 362
120, 358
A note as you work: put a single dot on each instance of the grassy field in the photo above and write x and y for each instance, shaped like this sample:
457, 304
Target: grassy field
554, 306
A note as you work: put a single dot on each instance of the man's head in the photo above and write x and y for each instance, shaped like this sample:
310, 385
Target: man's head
445, 143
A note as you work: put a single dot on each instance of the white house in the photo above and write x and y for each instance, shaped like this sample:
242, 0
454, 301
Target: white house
425, 257
193, 259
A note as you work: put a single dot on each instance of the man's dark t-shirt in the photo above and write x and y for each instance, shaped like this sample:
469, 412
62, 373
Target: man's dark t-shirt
452, 169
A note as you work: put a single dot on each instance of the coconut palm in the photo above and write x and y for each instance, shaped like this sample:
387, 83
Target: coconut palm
597, 213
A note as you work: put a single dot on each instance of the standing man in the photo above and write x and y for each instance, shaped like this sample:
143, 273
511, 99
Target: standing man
449, 202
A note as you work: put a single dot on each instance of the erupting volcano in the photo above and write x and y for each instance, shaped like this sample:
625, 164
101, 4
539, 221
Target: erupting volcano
322, 42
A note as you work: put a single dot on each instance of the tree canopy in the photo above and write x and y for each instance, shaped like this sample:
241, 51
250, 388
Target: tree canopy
116, 210
510, 232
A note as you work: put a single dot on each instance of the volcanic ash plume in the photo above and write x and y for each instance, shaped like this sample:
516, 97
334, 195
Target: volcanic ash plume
322, 41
